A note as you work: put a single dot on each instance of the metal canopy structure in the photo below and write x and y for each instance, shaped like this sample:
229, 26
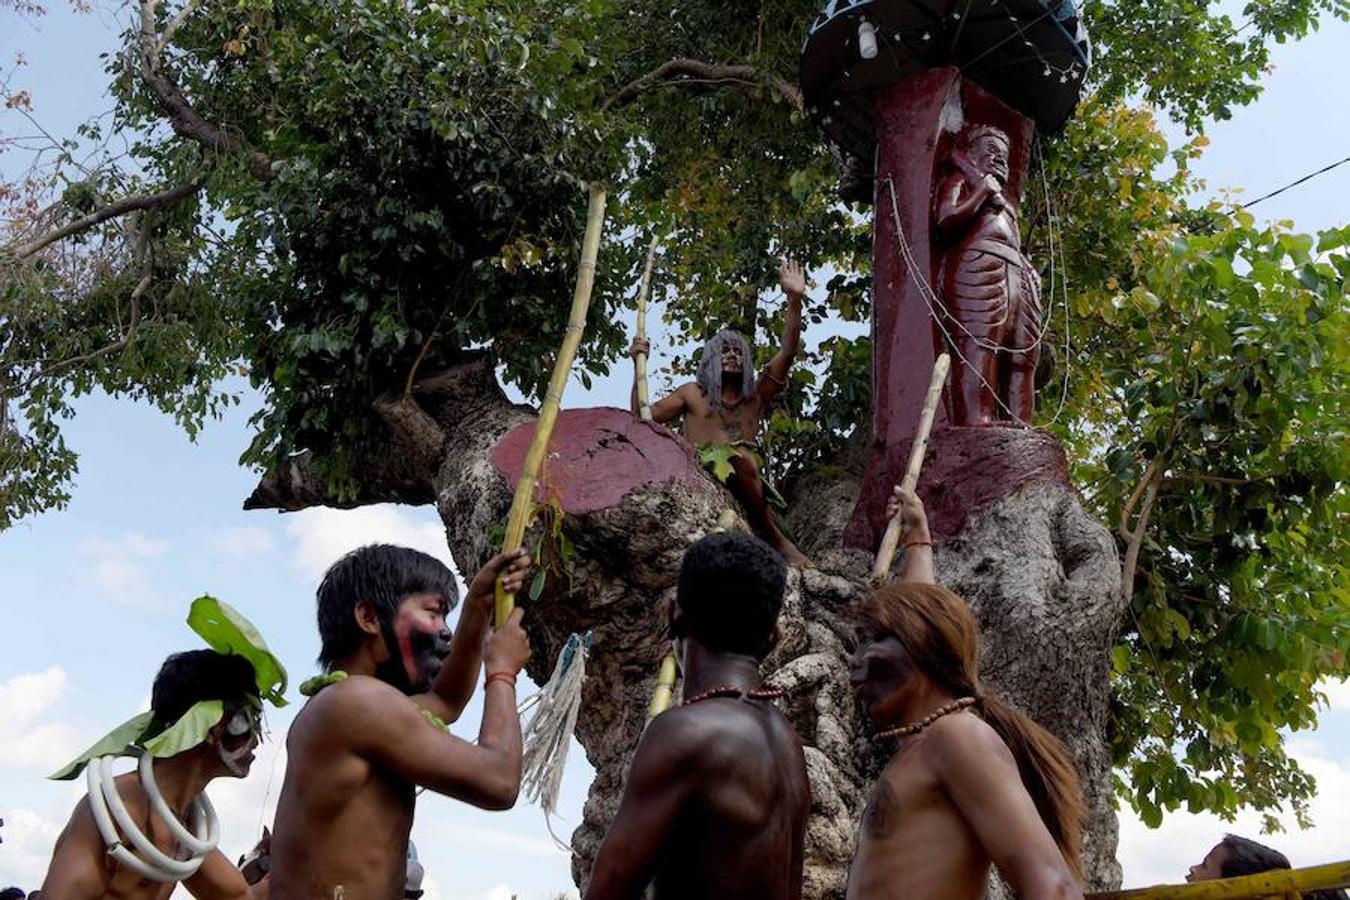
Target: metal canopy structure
1031, 54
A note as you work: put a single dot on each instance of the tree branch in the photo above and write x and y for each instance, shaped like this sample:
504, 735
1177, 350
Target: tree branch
163, 198
683, 70
175, 106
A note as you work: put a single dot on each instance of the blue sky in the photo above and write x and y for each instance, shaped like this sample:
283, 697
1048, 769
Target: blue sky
95, 595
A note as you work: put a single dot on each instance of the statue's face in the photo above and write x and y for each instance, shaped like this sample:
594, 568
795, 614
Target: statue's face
733, 363
990, 156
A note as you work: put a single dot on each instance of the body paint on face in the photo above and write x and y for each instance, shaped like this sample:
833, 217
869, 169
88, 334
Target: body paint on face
878, 670
235, 744
417, 647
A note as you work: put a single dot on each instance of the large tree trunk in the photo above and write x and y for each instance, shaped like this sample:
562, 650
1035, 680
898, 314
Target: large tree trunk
1042, 577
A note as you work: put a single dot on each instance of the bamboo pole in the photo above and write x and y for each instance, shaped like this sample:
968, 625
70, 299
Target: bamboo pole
640, 359
886, 552
548, 412
665, 687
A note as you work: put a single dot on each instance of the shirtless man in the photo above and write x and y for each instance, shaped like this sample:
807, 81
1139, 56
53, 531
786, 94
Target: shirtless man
81, 866
717, 796
723, 408
366, 741
951, 800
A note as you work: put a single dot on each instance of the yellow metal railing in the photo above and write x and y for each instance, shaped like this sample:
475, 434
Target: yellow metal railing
1285, 884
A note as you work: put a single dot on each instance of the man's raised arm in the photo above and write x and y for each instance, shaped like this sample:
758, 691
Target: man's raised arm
793, 282
659, 784
915, 541
458, 677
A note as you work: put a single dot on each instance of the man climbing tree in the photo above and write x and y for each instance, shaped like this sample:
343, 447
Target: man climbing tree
375, 728
717, 797
723, 408
972, 782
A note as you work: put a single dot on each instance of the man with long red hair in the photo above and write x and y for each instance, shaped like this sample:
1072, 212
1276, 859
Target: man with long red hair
972, 782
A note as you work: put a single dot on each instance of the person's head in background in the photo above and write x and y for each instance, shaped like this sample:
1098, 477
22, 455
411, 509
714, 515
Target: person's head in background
11, 893
1235, 856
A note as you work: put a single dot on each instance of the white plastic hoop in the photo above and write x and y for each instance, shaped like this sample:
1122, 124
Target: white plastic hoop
204, 820
107, 808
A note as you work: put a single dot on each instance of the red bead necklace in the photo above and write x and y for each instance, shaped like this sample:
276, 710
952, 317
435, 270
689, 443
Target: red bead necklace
729, 691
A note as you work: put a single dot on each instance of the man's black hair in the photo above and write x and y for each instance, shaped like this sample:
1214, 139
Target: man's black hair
383, 575
731, 591
1247, 857
11, 893
186, 678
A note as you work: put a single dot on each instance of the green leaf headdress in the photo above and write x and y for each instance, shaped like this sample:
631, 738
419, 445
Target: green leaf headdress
226, 632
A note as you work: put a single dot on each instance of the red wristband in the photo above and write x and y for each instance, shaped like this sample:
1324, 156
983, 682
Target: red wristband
909, 544
508, 677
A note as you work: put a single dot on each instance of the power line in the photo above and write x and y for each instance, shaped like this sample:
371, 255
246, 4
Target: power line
1281, 190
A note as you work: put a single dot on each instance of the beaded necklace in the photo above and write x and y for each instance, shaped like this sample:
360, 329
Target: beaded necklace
727, 690
914, 728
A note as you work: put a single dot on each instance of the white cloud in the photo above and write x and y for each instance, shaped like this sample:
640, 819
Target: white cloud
1162, 856
26, 696
28, 846
321, 535
244, 541
117, 567
45, 747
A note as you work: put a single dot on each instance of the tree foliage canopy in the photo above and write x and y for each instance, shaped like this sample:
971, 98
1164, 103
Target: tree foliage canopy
335, 198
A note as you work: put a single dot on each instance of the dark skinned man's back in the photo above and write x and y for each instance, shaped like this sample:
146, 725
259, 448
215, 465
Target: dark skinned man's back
715, 806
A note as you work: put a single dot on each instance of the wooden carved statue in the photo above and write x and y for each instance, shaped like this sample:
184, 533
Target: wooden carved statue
990, 292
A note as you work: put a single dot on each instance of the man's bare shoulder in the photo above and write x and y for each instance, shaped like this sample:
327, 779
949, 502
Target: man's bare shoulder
721, 732
956, 742
356, 700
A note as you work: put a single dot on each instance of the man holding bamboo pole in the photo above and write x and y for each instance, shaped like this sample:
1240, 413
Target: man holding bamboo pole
717, 797
722, 409
374, 728
971, 782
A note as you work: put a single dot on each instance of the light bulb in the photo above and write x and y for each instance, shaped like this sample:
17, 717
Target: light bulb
867, 39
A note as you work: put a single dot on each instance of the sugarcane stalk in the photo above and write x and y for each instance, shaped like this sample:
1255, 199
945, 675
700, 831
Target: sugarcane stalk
890, 541
523, 500
640, 359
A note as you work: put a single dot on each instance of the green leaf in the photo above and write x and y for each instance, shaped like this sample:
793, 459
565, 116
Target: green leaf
114, 743
226, 631
189, 731
537, 584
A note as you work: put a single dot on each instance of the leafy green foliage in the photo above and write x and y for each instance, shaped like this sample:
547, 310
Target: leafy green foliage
424, 199
226, 631
190, 730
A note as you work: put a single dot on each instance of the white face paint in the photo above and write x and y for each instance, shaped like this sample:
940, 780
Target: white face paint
243, 724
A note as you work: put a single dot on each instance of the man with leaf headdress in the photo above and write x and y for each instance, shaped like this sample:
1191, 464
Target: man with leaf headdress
722, 410
138, 834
